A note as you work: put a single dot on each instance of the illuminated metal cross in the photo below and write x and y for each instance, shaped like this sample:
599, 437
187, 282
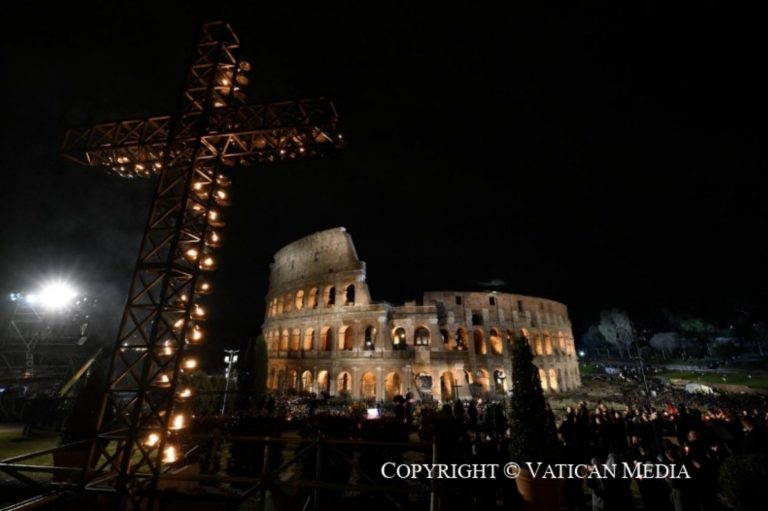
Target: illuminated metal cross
144, 405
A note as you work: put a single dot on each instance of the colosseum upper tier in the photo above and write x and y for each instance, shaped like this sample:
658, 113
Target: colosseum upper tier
325, 334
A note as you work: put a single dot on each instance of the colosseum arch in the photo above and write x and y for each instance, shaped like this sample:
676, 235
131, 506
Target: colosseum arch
329, 296
368, 385
497, 346
553, 383
538, 348
393, 386
346, 338
293, 379
479, 341
547, 343
309, 339
306, 381
525, 337
323, 381
349, 295
462, 339
370, 338
299, 301
344, 383
284, 340
543, 379
326, 338
312, 299
447, 386
448, 343
279, 304
288, 304
295, 339
398, 339
500, 381
510, 337
468, 378
483, 379
422, 336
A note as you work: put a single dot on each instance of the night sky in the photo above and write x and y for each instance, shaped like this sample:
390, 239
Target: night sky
597, 156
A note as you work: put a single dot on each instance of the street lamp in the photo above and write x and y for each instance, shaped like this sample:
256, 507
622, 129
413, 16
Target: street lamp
229, 359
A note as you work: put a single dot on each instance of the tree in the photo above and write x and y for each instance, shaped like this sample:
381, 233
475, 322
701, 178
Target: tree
534, 436
617, 329
666, 342
759, 336
594, 341
252, 380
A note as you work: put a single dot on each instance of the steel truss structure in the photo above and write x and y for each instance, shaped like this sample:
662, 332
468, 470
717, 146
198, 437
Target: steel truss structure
143, 407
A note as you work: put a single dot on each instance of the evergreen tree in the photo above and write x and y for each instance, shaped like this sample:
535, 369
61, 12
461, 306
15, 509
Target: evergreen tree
252, 379
534, 438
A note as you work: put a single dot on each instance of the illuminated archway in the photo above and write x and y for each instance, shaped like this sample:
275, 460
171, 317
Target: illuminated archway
497, 346
479, 341
392, 386
368, 386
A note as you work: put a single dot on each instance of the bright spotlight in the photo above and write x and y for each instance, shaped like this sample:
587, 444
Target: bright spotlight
54, 296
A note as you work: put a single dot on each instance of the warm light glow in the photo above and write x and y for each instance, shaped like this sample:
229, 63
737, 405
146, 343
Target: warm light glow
167, 348
187, 392
178, 422
169, 454
192, 254
178, 324
208, 263
213, 215
223, 180
158, 165
163, 380
203, 287
152, 440
190, 363
122, 159
195, 335
198, 312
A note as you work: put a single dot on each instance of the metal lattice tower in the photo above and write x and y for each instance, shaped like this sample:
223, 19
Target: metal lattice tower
144, 405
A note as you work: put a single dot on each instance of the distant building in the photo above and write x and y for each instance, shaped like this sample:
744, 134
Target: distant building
325, 334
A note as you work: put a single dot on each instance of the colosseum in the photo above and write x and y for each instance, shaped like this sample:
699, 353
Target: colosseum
324, 333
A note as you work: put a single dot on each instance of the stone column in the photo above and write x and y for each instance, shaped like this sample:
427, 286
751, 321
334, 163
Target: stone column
355, 387
315, 383
332, 375
379, 384
408, 378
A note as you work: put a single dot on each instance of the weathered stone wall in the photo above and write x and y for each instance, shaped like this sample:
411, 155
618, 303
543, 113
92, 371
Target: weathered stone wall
323, 337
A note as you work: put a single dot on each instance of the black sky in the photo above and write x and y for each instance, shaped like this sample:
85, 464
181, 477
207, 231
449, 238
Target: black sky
595, 155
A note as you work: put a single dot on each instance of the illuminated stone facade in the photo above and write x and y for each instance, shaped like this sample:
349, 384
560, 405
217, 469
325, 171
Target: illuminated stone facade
324, 333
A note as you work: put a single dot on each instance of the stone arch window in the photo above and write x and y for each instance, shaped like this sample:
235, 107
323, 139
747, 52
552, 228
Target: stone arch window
330, 296
500, 381
295, 339
398, 339
483, 379
537, 346
312, 299
370, 338
553, 385
525, 336
448, 343
497, 346
468, 377
299, 302
510, 337
279, 304
344, 383
422, 336
346, 338
350, 294
293, 379
284, 341
323, 382
392, 386
547, 344
543, 379
447, 386
326, 339
309, 339
479, 341
288, 303
306, 381
462, 339
368, 385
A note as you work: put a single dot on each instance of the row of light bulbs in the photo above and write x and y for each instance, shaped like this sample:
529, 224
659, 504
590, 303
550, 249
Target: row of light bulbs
194, 333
